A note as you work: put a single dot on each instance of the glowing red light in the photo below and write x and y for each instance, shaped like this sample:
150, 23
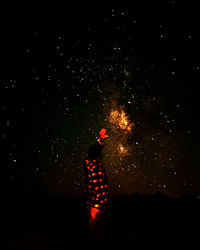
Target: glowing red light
93, 213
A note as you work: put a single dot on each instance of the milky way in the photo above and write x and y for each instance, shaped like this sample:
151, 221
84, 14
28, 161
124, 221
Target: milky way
110, 68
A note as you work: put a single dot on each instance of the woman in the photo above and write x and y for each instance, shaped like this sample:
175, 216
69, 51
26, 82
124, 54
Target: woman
97, 186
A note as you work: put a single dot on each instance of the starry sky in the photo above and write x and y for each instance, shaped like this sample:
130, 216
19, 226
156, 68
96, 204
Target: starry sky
106, 65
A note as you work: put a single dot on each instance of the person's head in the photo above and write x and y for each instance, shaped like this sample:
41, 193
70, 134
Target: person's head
94, 152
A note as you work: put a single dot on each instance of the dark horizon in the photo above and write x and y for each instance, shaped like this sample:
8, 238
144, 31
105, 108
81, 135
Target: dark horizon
139, 222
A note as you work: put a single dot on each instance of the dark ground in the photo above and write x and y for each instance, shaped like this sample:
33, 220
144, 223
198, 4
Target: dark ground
134, 222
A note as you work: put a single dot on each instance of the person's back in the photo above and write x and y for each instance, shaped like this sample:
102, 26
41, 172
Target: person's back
97, 186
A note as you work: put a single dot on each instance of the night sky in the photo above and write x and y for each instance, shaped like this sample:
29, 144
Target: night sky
61, 83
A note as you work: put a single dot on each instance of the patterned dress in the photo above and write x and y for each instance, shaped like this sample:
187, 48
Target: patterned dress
97, 186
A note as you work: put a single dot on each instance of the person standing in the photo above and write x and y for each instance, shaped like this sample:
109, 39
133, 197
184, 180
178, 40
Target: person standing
96, 186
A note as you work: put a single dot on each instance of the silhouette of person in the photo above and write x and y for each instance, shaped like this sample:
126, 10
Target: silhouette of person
96, 179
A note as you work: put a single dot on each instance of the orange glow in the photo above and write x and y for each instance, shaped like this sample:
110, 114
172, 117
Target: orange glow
122, 150
93, 213
121, 120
